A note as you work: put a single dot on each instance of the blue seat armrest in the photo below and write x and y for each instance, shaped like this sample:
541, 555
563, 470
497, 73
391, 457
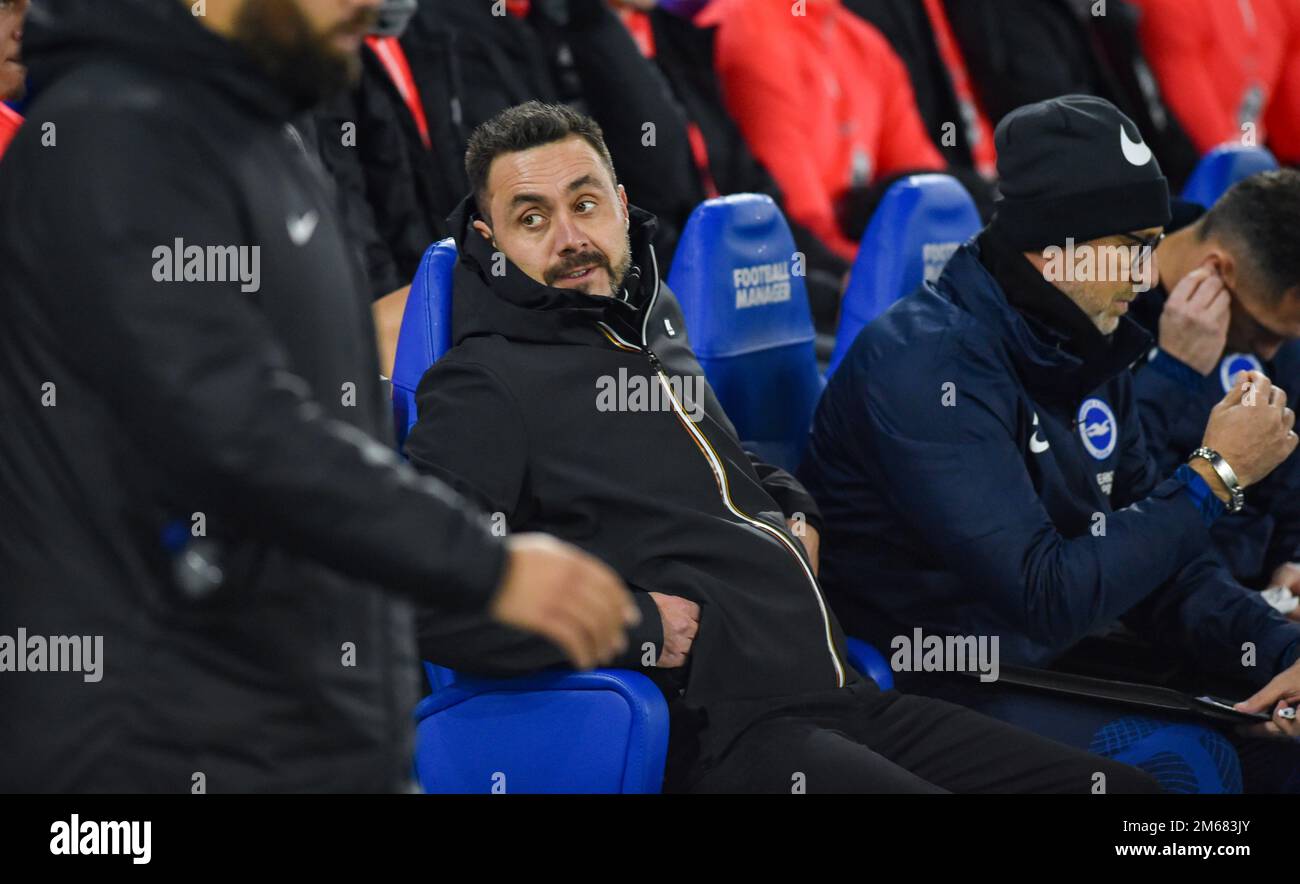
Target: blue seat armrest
870, 662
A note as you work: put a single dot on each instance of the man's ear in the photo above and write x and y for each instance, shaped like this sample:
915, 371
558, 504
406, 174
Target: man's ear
483, 230
1225, 266
1037, 259
622, 198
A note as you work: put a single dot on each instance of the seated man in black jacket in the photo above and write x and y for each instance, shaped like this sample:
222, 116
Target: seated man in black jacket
557, 295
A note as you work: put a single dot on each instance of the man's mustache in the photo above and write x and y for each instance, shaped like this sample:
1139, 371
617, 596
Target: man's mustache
586, 259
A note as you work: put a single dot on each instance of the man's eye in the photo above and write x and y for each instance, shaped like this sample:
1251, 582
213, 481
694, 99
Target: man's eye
590, 204
532, 219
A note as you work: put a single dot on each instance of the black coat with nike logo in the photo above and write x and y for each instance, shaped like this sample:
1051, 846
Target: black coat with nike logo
510, 416
129, 403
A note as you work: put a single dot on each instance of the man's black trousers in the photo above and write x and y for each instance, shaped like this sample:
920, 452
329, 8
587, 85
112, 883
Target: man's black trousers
863, 740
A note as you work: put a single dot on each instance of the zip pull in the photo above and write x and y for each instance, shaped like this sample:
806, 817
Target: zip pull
654, 360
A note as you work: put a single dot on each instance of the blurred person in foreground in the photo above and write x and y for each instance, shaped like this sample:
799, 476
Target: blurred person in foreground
13, 74
209, 554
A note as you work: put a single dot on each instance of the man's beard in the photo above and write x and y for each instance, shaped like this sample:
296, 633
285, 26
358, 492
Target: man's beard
17, 93
304, 65
617, 275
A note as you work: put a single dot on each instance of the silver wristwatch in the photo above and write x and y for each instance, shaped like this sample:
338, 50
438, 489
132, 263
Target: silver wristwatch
1237, 496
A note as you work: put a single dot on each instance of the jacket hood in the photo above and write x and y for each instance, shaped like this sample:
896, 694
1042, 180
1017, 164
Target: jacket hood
519, 308
1044, 365
163, 35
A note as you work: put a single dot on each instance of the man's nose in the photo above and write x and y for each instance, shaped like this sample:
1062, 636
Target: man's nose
569, 237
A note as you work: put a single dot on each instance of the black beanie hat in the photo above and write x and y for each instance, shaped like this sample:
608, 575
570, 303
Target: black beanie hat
1074, 167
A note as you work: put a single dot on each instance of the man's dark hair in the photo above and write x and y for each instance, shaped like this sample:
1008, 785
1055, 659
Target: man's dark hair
522, 127
1261, 216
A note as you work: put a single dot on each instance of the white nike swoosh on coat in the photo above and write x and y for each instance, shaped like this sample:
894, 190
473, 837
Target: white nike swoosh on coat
302, 228
1036, 445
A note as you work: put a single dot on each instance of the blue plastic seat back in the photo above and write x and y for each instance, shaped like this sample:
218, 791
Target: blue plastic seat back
602, 731
919, 223
425, 333
1223, 167
741, 286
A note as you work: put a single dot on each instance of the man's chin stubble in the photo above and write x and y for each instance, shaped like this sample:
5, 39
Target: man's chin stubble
309, 68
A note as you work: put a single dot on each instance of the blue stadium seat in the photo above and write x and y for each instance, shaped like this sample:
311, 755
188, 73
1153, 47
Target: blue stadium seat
919, 223
1223, 167
1185, 759
870, 662
425, 333
601, 731
741, 285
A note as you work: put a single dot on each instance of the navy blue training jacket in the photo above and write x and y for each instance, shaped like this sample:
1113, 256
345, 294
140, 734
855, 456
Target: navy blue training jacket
977, 478
1175, 400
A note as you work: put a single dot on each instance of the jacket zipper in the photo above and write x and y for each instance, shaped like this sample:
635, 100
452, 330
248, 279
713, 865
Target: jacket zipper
719, 471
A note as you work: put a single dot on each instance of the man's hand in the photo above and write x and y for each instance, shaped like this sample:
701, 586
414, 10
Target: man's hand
1194, 324
1287, 576
387, 313
808, 536
563, 594
1279, 694
681, 620
1251, 429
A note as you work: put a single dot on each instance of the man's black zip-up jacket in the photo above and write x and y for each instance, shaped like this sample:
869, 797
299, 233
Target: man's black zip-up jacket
511, 416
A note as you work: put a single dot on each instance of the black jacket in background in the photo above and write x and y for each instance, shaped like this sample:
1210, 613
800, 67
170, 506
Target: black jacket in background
470, 65
392, 194
259, 409
510, 417
1023, 51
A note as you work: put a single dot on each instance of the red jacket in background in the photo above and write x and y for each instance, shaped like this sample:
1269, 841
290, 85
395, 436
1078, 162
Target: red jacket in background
1218, 62
822, 99
1283, 117
980, 132
10, 121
